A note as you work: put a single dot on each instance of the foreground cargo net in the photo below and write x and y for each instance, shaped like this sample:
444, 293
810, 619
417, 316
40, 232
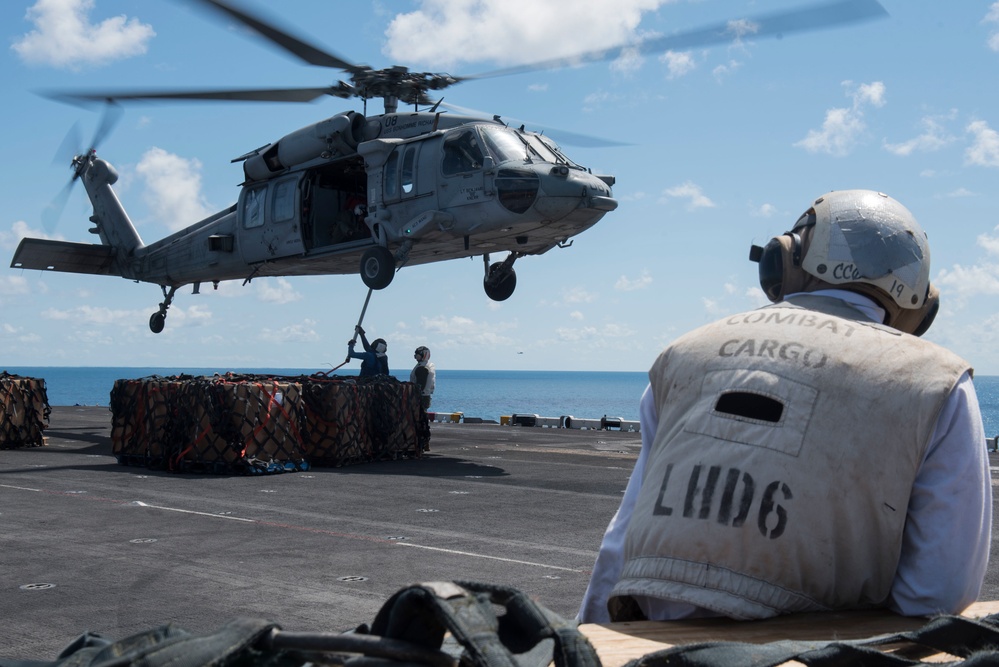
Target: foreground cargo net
24, 411
264, 424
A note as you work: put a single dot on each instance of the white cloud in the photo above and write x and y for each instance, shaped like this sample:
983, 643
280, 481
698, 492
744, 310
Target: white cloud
989, 243
969, 281
18, 334
173, 188
277, 291
464, 331
742, 27
843, 127
576, 315
64, 37
19, 230
933, 137
984, 150
96, 316
593, 336
678, 64
304, 332
764, 211
626, 284
13, 285
578, 295
443, 33
628, 62
722, 71
689, 191
993, 17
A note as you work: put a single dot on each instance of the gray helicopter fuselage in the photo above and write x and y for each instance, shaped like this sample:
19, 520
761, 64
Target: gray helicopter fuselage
442, 188
353, 195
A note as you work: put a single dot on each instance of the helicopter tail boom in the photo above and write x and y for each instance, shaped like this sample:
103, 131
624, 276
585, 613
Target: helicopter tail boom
111, 222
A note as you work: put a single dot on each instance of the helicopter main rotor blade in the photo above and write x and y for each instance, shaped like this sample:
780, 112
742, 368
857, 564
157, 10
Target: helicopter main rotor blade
813, 17
296, 46
240, 95
563, 136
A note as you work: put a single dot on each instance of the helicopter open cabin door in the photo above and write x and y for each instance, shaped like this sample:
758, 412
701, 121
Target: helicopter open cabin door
269, 222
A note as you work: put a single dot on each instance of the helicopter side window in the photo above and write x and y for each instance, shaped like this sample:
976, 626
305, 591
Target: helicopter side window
408, 170
391, 180
253, 208
283, 201
461, 153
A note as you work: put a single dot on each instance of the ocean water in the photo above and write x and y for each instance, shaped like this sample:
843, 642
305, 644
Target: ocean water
483, 394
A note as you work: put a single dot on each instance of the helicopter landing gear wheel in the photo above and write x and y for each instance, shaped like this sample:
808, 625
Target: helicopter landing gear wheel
500, 282
158, 319
377, 267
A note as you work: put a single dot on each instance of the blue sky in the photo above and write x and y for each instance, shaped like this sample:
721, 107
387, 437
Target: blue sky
726, 147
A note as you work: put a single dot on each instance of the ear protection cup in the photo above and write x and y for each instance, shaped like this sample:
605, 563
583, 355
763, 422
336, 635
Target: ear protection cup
780, 265
918, 320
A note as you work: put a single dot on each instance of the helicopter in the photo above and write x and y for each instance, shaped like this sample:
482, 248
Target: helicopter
363, 194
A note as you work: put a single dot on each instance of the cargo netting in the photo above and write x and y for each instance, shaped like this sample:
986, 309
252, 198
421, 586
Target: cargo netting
253, 424
24, 411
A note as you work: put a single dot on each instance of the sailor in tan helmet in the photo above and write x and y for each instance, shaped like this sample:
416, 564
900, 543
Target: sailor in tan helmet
811, 455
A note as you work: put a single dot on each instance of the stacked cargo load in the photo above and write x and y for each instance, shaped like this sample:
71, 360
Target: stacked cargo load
264, 424
24, 411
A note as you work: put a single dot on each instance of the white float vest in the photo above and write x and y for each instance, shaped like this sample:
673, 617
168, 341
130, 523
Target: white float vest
780, 474
428, 389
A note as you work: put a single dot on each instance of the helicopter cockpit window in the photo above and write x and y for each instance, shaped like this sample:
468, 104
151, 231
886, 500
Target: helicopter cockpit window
284, 201
253, 208
461, 153
504, 144
543, 150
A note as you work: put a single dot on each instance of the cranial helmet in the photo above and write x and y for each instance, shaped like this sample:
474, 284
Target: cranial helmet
859, 240
422, 353
379, 345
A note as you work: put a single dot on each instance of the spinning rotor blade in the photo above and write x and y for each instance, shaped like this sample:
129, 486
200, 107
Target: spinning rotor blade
563, 136
70, 150
398, 84
814, 17
232, 95
296, 46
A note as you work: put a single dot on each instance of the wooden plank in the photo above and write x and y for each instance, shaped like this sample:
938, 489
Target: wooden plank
618, 643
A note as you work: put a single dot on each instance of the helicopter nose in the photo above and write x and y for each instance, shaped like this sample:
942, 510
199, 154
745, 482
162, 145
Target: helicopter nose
564, 191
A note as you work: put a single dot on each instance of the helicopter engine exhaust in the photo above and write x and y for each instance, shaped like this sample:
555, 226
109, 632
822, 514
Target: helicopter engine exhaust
338, 135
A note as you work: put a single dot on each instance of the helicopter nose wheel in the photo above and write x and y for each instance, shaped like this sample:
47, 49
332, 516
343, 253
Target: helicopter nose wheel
377, 267
158, 319
500, 280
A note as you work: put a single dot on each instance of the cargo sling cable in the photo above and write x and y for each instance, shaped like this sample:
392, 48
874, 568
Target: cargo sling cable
359, 321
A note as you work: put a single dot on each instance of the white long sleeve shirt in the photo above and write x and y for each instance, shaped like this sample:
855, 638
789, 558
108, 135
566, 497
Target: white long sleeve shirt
950, 511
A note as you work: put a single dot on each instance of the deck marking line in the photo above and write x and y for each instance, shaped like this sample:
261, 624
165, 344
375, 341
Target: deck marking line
174, 509
474, 555
19, 488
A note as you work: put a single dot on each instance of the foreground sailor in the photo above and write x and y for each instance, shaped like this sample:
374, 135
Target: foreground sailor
804, 456
424, 375
374, 359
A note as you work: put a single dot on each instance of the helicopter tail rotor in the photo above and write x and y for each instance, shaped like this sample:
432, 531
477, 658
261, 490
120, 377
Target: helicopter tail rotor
71, 149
